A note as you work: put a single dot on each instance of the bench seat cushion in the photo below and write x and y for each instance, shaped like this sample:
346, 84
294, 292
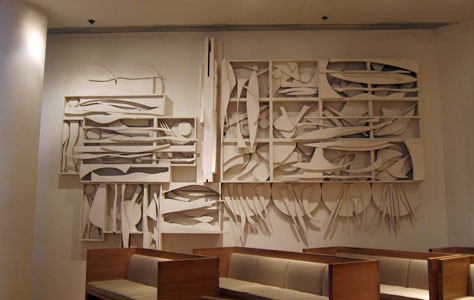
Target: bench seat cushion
120, 289
145, 297
235, 287
465, 298
266, 292
393, 292
254, 291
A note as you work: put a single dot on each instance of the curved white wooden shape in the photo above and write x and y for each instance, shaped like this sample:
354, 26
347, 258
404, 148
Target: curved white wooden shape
319, 163
346, 199
253, 107
97, 212
139, 80
82, 85
415, 148
396, 199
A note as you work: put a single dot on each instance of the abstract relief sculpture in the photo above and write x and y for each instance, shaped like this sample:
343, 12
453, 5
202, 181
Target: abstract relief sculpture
123, 147
344, 131
338, 120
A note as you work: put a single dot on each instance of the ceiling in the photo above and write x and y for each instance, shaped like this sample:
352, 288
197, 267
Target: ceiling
143, 13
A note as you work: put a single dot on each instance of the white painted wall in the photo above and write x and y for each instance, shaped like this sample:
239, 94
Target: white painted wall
59, 262
455, 46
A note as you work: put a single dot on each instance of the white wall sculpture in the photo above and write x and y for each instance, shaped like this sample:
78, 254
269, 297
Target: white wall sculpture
119, 138
351, 124
338, 134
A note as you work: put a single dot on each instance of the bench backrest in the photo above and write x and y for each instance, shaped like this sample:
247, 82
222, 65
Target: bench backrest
309, 277
144, 269
412, 273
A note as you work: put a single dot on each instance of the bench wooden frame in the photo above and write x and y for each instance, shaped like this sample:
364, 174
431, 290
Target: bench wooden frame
455, 270
434, 275
185, 276
344, 273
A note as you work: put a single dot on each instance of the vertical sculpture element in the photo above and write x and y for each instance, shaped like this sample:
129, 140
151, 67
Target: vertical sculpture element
209, 115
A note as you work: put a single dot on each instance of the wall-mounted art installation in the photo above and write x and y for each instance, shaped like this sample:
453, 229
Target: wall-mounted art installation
344, 131
191, 208
337, 120
123, 146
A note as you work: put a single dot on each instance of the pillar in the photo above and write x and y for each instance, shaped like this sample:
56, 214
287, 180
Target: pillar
23, 30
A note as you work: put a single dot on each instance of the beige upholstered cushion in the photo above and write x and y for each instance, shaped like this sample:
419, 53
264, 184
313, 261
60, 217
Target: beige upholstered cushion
152, 296
393, 292
242, 266
305, 276
143, 269
271, 271
120, 289
470, 283
465, 298
325, 290
393, 271
418, 274
235, 287
266, 292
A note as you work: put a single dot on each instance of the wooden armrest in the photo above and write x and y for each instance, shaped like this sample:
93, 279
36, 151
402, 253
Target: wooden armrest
188, 279
223, 254
452, 276
360, 280
107, 264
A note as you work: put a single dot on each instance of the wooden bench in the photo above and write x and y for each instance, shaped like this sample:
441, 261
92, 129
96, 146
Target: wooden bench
403, 274
459, 271
248, 273
144, 274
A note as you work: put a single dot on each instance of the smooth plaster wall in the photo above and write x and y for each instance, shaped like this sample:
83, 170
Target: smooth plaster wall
59, 261
22, 58
455, 45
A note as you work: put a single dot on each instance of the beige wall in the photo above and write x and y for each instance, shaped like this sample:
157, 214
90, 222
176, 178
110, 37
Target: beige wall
455, 47
59, 261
